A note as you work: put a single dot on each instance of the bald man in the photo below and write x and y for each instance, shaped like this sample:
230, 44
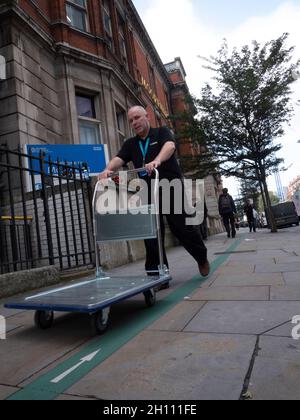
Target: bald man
154, 148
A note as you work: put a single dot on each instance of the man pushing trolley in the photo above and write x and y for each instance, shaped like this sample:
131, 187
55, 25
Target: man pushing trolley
154, 148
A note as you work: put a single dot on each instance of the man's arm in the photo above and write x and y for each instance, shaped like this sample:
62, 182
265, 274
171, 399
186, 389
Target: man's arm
115, 164
165, 154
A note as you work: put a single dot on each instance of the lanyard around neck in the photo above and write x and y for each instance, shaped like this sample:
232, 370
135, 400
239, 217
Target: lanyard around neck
144, 149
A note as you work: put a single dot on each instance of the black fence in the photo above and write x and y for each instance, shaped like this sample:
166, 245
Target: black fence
45, 213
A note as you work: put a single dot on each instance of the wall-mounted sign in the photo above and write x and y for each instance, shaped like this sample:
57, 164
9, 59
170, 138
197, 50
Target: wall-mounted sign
93, 157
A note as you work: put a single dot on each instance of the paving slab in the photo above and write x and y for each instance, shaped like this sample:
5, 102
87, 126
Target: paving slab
179, 317
229, 270
242, 317
273, 253
277, 268
284, 330
28, 350
6, 391
287, 260
256, 279
248, 266
275, 375
171, 366
285, 293
217, 293
292, 279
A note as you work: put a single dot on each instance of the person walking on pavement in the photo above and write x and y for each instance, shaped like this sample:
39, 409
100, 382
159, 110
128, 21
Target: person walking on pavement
154, 148
227, 210
249, 211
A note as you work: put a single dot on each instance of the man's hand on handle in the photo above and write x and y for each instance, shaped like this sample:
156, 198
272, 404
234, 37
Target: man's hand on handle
104, 175
152, 165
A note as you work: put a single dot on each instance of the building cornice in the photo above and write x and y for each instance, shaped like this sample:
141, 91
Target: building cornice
99, 62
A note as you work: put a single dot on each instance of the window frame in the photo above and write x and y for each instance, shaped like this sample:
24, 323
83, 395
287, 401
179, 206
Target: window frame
108, 31
88, 120
82, 9
122, 40
122, 135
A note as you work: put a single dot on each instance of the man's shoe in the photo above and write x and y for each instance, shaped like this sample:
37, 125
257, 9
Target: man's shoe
204, 269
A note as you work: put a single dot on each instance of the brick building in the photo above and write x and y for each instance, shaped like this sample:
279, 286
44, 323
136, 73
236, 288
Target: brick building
74, 67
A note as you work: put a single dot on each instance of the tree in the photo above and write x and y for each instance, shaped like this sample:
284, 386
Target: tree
237, 125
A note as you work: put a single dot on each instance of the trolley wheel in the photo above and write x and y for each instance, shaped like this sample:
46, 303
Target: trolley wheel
43, 319
150, 298
100, 321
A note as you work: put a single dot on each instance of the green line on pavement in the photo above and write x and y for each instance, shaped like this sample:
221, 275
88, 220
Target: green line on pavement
43, 389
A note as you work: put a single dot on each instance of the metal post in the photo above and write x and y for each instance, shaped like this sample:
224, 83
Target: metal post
162, 268
46, 211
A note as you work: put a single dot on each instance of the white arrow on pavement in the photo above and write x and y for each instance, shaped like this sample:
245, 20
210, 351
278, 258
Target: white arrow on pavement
88, 358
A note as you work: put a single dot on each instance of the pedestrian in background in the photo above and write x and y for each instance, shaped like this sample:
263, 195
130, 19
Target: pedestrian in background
249, 211
227, 211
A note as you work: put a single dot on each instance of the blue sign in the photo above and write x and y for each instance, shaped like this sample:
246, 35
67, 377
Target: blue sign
92, 157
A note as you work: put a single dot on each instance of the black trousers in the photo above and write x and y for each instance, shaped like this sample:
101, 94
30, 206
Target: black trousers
189, 237
252, 224
229, 220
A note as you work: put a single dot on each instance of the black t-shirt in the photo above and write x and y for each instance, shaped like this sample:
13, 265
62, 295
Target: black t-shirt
131, 152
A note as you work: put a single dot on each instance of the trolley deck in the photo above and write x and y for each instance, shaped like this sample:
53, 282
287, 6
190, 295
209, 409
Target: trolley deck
96, 296
90, 296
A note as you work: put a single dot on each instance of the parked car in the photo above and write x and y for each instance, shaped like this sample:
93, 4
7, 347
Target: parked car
285, 214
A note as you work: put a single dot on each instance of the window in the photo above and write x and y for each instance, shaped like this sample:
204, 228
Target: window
122, 39
121, 124
89, 132
89, 126
107, 24
77, 14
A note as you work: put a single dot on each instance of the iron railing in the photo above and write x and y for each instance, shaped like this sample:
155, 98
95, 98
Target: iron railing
45, 213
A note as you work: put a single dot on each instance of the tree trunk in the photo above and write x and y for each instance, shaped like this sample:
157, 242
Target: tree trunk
269, 206
263, 194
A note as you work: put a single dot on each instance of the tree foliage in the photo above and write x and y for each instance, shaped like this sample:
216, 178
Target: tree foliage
239, 120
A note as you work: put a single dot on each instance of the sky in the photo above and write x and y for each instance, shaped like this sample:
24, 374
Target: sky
192, 28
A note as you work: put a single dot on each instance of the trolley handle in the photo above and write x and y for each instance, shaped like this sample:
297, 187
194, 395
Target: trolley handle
134, 171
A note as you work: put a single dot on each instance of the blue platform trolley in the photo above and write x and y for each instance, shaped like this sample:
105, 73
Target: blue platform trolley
97, 295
